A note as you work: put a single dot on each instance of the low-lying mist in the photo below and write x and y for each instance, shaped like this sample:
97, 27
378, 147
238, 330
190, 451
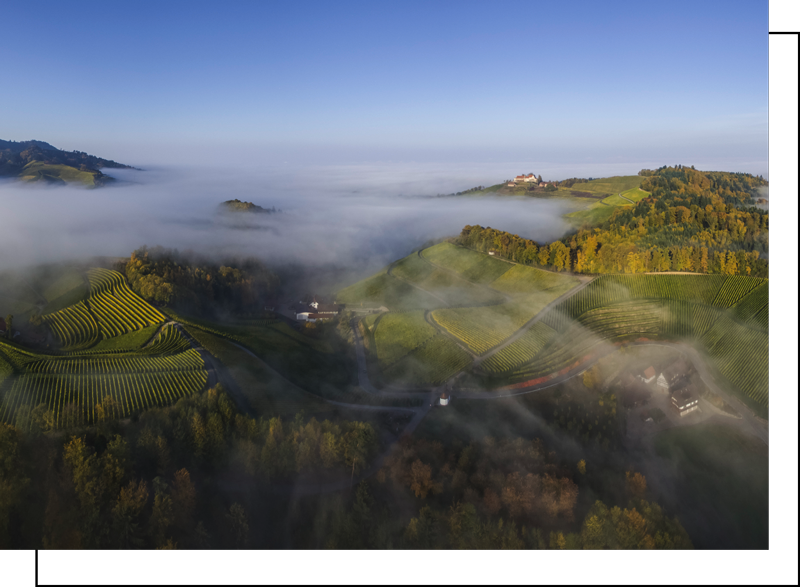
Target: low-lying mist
353, 217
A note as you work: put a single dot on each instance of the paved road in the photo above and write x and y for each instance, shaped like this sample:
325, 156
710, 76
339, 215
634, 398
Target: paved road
624, 198
429, 319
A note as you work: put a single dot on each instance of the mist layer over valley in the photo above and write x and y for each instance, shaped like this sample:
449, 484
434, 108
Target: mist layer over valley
354, 216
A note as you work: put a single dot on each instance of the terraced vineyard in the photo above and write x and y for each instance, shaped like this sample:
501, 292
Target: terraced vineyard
611, 289
117, 308
753, 309
185, 361
76, 396
74, 326
742, 355
111, 310
678, 307
113, 351
521, 350
734, 290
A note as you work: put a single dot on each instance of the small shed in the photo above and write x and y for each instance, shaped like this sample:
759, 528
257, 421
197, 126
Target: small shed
444, 399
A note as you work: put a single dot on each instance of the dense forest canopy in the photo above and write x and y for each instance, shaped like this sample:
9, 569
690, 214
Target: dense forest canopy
694, 221
166, 276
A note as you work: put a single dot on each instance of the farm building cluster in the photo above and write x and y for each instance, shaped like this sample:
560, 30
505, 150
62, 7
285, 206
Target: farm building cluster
530, 178
675, 382
315, 310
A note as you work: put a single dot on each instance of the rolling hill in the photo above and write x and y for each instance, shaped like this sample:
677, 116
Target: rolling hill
38, 161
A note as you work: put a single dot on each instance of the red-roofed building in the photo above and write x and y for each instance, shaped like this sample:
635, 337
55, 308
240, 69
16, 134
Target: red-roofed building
649, 374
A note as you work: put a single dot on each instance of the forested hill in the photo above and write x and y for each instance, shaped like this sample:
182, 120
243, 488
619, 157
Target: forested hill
237, 205
692, 221
40, 161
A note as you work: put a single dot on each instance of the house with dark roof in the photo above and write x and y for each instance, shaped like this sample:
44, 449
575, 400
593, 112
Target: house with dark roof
673, 376
685, 400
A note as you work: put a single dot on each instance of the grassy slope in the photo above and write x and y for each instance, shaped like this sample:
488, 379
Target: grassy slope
38, 171
602, 210
268, 394
398, 334
471, 265
384, 290
723, 475
443, 283
431, 364
524, 280
485, 327
609, 185
308, 362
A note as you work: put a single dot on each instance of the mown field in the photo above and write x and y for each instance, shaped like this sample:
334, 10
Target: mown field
609, 185
602, 210
724, 317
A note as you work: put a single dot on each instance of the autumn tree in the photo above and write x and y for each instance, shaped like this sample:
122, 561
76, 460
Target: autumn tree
636, 484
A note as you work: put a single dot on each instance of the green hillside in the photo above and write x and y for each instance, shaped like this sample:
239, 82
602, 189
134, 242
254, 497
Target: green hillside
609, 185
36, 171
38, 161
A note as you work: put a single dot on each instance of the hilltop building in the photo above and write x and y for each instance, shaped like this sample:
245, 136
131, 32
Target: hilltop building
530, 178
444, 399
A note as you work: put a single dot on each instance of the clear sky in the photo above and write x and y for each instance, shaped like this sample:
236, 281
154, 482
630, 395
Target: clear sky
671, 82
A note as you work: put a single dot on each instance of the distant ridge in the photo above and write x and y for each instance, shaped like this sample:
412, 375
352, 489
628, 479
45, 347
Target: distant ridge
39, 161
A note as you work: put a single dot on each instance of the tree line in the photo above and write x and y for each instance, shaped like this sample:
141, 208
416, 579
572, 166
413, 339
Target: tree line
153, 481
165, 276
496, 494
692, 221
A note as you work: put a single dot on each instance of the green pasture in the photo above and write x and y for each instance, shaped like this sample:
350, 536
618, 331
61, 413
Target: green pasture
471, 265
524, 280
38, 171
601, 211
398, 334
384, 290
609, 185
431, 364
442, 283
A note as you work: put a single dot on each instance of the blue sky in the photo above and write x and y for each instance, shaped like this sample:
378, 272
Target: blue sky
351, 82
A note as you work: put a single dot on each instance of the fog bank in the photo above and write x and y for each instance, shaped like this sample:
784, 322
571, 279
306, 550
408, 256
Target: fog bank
354, 216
